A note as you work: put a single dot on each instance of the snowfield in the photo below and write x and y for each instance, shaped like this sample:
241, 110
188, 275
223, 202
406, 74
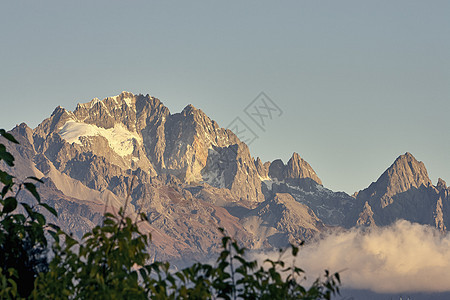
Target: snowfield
120, 139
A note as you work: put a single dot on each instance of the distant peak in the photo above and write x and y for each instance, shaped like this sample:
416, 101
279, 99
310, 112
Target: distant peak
408, 161
125, 95
24, 125
407, 156
296, 156
189, 109
295, 168
87, 105
441, 184
58, 111
122, 97
405, 173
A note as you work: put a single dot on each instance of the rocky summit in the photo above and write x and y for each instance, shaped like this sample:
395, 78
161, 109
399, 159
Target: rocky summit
190, 177
404, 191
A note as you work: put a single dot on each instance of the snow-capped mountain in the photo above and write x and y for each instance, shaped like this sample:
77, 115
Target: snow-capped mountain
190, 176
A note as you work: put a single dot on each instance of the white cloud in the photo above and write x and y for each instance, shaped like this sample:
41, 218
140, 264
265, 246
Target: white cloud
404, 257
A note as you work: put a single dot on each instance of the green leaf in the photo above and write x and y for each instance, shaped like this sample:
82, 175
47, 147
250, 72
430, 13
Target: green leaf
35, 179
28, 209
5, 178
55, 227
8, 136
40, 218
49, 208
6, 188
54, 235
108, 222
9, 205
32, 189
108, 229
6, 156
19, 218
338, 277
109, 215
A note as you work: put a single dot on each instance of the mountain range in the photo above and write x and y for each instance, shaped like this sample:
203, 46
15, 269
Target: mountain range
190, 177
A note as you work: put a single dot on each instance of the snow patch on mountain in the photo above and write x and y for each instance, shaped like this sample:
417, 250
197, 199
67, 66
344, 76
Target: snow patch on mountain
120, 139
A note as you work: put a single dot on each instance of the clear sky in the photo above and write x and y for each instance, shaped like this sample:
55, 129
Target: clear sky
359, 82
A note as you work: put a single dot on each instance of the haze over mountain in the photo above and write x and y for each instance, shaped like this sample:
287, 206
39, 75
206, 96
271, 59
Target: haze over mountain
190, 176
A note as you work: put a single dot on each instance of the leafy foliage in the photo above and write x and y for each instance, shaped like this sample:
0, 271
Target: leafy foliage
111, 263
103, 266
235, 277
112, 260
22, 235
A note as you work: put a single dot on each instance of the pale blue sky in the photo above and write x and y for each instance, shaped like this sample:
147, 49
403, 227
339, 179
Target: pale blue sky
359, 82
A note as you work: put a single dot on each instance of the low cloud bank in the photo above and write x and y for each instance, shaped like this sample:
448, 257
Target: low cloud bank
403, 257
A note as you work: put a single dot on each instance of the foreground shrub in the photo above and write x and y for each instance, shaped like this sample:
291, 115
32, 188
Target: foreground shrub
23, 244
111, 261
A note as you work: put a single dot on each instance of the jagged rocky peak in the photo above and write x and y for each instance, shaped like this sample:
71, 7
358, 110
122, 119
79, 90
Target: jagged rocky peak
186, 139
106, 128
58, 118
442, 188
150, 104
441, 184
189, 109
296, 167
263, 169
108, 112
276, 169
405, 173
203, 124
125, 96
22, 131
299, 168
